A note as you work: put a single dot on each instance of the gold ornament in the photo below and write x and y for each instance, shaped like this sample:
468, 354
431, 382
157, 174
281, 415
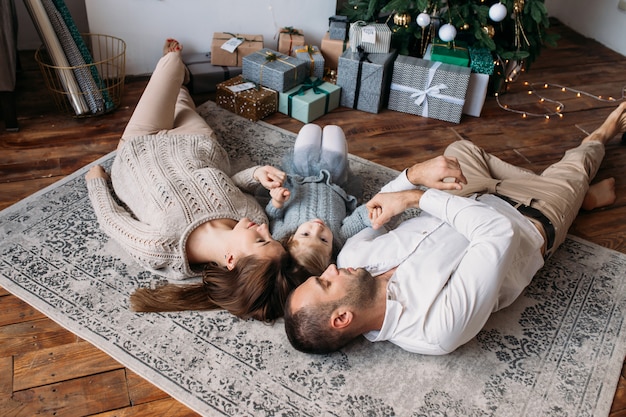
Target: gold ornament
465, 26
489, 30
402, 19
518, 6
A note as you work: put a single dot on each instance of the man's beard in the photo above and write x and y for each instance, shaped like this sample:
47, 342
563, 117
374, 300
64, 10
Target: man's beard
362, 290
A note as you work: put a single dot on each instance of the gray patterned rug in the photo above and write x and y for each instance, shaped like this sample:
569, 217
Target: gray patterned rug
557, 351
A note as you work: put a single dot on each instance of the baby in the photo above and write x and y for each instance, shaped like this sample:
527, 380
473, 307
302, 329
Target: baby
312, 214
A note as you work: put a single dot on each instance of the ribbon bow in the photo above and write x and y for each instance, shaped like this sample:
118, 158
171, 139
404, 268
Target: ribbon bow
309, 49
308, 85
433, 91
363, 56
290, 30
270, 56
235, 36
311, 84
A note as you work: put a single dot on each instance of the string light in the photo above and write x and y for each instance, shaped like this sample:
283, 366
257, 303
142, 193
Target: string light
549, 103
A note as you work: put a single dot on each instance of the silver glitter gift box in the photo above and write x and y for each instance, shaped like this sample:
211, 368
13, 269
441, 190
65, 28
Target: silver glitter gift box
364, 79
274, 70
338, 27
428, 88
314, 56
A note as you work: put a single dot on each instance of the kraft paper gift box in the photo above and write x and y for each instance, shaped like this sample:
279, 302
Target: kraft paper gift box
428, 88
364, 79
310, 100
338, 27
244, 45
289, 38
373, 37
246, 98
274, 70
332, 49
313, 56
204, 75
455, 53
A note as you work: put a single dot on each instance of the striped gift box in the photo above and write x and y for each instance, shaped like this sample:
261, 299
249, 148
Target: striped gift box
373, 37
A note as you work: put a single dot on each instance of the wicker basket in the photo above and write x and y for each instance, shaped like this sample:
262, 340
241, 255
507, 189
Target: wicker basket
91, 89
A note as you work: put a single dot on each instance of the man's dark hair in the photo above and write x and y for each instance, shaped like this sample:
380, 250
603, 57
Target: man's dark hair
309, 331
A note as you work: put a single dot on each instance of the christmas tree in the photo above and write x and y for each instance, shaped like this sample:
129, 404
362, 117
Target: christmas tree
514, 30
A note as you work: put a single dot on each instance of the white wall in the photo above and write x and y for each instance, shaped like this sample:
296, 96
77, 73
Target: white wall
145, 24
599, 19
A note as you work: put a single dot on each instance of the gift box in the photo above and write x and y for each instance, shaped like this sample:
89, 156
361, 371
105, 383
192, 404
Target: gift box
274, 70
455, 53
332, 49
476, 94
310, 100
288, 38
428, 88
338, 27
481, 60
373, 37
315, 58
246, 99
476, 88
228, 49
364, 79
204, 76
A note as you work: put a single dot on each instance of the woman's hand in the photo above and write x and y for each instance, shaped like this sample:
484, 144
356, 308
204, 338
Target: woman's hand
442, 173
96, 171
383, 206
279, 196
269, 177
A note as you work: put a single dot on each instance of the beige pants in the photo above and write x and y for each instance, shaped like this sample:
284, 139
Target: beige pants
558, 192
166, 106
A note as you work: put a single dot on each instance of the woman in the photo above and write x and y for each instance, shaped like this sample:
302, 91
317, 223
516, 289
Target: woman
183, 214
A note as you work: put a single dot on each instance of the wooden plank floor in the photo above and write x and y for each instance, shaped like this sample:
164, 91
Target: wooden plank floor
47, 370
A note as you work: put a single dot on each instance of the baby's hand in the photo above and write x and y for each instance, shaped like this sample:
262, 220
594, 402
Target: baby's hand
279, 196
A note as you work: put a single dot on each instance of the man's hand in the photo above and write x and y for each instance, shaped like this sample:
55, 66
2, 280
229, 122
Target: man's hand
279, 196
442, 173
383, 206
269, 177
96, 171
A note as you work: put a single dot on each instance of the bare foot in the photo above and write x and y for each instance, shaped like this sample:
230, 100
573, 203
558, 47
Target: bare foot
171, 45
600, 194
614, 124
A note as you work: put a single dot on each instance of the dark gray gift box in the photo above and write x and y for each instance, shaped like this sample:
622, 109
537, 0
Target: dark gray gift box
428, 88
274, 70
364, 79
338, 27
204, 77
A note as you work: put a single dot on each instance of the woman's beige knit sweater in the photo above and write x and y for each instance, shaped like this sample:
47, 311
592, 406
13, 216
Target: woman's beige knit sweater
169, 185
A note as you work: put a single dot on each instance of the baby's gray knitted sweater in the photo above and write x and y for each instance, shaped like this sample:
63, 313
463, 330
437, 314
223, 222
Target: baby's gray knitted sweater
316, 197
169, 185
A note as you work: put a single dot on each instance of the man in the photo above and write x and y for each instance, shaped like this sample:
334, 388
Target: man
430, 284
